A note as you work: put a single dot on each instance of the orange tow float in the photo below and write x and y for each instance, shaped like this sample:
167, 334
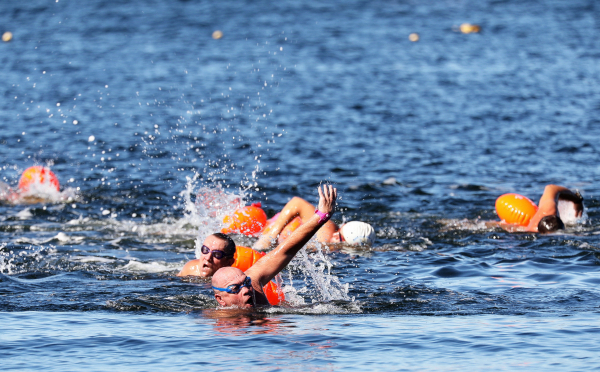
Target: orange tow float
37, 175
287, 230
248, 220
246, 257
515, 208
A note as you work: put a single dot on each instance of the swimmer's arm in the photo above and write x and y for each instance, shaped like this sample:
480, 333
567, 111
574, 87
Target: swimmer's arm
326, 232
294, 208
548, 201
270, 265
547, 205
191, 268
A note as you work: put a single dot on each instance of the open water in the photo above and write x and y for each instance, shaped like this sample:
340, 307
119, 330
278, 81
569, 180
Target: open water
138, 110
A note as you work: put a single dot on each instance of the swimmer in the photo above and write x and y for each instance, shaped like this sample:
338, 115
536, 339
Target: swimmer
547, 217
354, 232
36, 184
217, 251
234, 287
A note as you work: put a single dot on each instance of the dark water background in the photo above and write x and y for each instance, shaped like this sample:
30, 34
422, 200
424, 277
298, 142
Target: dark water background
128, 100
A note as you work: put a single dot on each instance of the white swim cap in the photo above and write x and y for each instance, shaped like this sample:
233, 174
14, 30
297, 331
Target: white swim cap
357, 233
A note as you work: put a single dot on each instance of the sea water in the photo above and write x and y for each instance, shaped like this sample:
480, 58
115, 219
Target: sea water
156, 130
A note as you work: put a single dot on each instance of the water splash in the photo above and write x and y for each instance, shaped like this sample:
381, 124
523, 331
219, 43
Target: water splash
15, 261
212, 204
38, 193
319, 283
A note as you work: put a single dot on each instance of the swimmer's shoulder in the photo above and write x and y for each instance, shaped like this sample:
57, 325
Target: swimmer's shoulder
191, 268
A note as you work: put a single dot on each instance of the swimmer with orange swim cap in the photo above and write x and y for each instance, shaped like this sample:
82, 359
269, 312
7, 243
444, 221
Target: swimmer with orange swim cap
518, 213
234, 287
354, 232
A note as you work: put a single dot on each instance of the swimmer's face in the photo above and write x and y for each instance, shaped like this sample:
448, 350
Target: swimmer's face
208, 263
337, 237
242, 299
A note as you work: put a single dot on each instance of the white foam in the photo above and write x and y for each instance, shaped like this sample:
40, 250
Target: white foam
321, 285
87, 259
25, 214
64, 238
8, 260
151, 267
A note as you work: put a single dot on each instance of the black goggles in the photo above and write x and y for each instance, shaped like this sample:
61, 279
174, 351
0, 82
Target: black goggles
215, 253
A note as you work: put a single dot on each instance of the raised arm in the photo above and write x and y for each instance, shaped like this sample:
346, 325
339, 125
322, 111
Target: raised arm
297, 207
548, 203
276, 260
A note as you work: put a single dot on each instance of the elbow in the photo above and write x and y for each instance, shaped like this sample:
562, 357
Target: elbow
553, 189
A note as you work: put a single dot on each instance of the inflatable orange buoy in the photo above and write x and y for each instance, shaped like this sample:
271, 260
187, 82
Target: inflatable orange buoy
37, 175
515, 208
248, 220
287, 230
246, 257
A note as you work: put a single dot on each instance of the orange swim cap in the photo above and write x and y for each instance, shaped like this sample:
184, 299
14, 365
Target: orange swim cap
515, 208
37, 175
248, 221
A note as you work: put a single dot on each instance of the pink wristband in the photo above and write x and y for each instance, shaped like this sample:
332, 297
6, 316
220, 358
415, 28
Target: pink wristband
323, 217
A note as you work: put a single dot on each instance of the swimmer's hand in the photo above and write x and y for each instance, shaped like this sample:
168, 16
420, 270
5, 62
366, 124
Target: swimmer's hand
327, 198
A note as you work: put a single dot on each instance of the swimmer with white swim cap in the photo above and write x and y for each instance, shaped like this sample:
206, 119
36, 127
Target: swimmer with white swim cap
557, 206
354, 232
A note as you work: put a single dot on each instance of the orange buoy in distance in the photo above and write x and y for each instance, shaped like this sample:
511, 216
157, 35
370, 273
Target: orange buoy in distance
515, 208
37, 175
7, 36
249, 221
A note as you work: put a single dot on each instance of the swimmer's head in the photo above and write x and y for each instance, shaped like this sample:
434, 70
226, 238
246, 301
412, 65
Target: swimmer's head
232, 287
550, 223
215, 245
358, 233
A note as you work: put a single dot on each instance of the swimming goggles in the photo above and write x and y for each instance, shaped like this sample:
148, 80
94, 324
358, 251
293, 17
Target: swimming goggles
236, 288
216, 253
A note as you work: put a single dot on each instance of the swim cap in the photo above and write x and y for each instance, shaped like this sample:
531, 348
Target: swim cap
356, 232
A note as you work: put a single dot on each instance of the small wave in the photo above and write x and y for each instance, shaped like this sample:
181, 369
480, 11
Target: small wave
319, 308
151, 267
89, 259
